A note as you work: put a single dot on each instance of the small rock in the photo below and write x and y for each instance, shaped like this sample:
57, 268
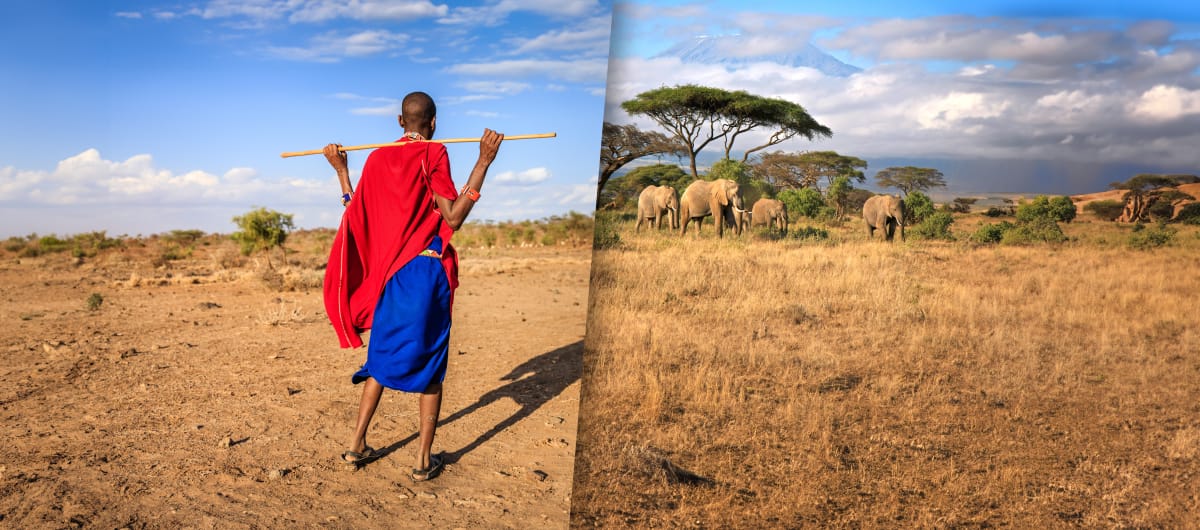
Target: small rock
209, 305
554, 420
540, 475
331, 518
273, 357
277, 474
293, 391
426, 495
225, 442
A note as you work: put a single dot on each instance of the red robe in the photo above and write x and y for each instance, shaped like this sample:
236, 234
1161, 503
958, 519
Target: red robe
391, 218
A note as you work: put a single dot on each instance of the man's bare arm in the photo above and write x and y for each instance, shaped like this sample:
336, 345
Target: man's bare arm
337, 159
455, 211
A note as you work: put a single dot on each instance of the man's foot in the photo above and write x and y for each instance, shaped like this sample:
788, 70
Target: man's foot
435, 468
355, 458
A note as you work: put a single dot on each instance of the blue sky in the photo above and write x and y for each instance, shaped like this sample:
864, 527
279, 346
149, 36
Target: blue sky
1069, 96
142, 117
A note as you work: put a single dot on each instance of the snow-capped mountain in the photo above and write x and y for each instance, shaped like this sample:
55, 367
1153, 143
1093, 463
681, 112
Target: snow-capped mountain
708, 49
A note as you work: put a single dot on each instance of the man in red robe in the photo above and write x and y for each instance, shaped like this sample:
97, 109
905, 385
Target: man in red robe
392, 269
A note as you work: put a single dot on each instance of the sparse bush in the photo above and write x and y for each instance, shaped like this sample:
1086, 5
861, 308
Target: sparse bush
991, 233
804, 201
1005, 211
262, 229
174, 252
1038, 230
94, 301
1060, 209
1107, 209
1189, 214
1144, 238
808, 232
15, 244
606, 231
935, 226
917, 207
184, 236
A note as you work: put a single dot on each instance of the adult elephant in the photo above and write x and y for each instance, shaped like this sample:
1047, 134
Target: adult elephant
656, 201
770, 213
719, 198
884, 212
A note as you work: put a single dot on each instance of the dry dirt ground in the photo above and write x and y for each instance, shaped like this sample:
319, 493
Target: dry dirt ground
197, 396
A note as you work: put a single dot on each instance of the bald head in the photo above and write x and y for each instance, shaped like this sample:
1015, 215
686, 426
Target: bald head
417, 110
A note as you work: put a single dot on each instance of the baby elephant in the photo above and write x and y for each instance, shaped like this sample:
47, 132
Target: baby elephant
885, 212
770, 212
654, 203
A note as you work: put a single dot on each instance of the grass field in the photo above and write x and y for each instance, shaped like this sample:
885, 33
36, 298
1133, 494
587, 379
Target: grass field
754, 383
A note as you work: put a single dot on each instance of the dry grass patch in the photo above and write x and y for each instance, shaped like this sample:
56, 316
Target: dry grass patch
864, 384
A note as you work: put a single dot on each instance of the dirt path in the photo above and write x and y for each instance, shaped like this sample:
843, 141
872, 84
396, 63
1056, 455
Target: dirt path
118, 417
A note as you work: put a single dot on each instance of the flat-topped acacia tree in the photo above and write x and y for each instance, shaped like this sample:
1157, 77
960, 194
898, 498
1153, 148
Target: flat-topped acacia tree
698, 116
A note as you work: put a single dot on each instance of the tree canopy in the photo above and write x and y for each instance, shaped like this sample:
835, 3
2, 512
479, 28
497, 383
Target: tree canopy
698, 116
805, 170
622, 144
908, 179
627, 187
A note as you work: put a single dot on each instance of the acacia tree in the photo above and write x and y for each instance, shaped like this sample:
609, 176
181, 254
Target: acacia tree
746, 112
805, 170
908, 179
622, 144
698, 116
691, 113
1145, 191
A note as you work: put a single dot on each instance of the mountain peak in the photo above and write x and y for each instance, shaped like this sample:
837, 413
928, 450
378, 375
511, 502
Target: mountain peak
710, 49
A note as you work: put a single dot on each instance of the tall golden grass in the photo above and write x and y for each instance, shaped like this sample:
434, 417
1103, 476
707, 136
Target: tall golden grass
861, 384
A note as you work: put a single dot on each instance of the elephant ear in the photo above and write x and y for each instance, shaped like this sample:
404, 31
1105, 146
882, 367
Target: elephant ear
721, 195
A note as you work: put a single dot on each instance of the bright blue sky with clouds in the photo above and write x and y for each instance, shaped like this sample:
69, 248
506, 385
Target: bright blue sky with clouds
141, 117
1048, 96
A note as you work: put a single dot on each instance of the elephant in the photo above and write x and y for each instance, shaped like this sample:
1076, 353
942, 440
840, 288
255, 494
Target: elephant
654, 202
885, 212
720, 198
770, 212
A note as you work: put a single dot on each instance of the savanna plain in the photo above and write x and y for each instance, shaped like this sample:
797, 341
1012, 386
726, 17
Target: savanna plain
758, 382
172, 382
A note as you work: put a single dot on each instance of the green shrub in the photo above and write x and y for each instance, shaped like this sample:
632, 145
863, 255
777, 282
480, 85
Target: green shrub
185, 236
994, 211
1144, 238
935, 226
1037, 230
1189, 214
806, 202
94, 301
262, 229
606, 235
917, 207
991, 233
1108, 210
1060, 209
808, 232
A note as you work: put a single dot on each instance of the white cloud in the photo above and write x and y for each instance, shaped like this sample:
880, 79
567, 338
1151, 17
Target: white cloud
129, 14
331, 47
580, 195
590, 36
89, 179
496, 11
482, 113
323, 10
1165, 103
507, 88
581, 71
524, 178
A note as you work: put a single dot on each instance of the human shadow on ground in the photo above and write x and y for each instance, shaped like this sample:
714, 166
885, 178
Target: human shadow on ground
533, 384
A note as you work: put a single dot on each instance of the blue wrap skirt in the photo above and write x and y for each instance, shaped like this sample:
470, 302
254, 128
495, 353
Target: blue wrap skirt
410, 333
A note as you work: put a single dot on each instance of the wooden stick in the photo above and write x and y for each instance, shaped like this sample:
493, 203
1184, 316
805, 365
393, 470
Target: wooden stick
442, 141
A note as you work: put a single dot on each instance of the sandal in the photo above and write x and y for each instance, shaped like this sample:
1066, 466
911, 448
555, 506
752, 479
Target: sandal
356, 459
435, 468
